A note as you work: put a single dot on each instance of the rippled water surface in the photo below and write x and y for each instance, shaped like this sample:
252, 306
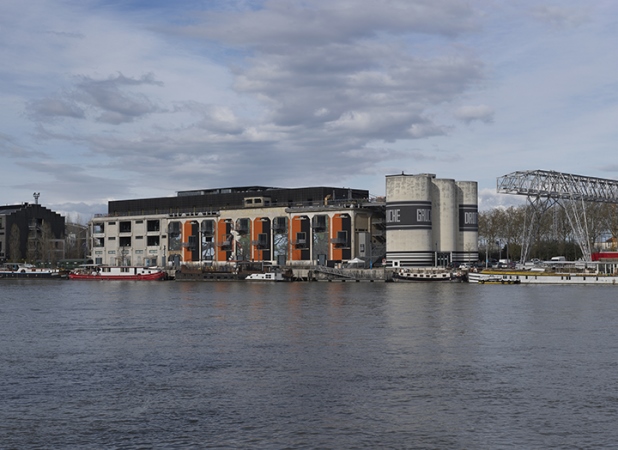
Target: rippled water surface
307, 365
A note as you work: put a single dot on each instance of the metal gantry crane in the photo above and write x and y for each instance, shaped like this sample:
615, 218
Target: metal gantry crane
545, 188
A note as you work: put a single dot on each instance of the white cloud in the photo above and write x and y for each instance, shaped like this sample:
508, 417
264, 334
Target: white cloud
113, 101
560, 16
482, 113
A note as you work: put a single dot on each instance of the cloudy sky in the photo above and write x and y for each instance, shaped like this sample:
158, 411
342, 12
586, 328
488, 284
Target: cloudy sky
105, 100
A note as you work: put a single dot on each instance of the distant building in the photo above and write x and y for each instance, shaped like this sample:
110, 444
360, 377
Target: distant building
31, 232
424, 221
430, 221
304, 226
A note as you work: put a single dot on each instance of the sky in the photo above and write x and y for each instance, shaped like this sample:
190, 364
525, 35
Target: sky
113, 100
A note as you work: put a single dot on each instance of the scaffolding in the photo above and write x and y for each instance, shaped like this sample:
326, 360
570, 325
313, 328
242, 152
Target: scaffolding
544, 189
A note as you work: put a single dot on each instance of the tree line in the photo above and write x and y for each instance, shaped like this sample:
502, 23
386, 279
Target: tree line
502, 231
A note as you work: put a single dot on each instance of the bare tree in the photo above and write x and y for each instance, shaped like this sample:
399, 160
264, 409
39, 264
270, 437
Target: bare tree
609, 217
47, 247
14, 243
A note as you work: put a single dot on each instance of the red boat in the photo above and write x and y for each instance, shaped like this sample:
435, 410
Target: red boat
94, 272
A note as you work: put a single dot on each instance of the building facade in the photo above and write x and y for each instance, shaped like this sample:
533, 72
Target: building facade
430, 221
31, 232
301, 226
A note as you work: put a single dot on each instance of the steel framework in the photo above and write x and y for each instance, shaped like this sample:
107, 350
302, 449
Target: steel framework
545, 188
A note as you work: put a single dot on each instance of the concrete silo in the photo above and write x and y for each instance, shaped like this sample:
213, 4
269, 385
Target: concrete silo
467, 248
409, 240
444, 218
430, 221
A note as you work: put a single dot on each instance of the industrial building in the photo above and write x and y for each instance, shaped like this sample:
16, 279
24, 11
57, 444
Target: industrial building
424, 221
29, 231
430, 221
303, 226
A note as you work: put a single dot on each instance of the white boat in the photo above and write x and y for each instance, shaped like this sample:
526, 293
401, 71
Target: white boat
427, 274
536, 277
28, 271
267, 276
95, 272
483, 278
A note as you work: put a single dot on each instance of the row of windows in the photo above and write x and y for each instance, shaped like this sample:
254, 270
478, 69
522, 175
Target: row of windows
124, 226
279, 223
154, 241
151, 241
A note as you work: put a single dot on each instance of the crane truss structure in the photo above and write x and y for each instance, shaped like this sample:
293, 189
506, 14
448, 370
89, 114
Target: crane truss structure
545, 188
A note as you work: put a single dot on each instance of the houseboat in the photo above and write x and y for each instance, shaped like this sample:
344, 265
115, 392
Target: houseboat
95, 272
425, 274
552, 272
28, 271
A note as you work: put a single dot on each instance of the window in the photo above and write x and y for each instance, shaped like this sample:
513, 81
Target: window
242, 226
113, 238
192, 242
152, 225
125, 241
152, 241
319, 223
342, 239
98, 227
125, 227
301, 239
280, 225
98, 242
262, 240
208, 227
174, 242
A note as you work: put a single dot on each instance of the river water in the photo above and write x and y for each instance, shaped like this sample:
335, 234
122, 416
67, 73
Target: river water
307, 365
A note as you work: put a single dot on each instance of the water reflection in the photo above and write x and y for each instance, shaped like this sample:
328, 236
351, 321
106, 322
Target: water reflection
306, 365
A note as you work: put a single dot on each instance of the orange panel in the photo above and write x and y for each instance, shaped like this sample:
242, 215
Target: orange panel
186, 232
221, 234
336, 225
295, 227
258, 227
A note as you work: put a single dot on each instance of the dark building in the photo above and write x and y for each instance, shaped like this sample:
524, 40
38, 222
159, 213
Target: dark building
30, 232
235, 197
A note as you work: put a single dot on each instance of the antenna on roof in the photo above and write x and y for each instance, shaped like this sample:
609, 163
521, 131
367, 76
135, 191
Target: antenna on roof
36, 196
